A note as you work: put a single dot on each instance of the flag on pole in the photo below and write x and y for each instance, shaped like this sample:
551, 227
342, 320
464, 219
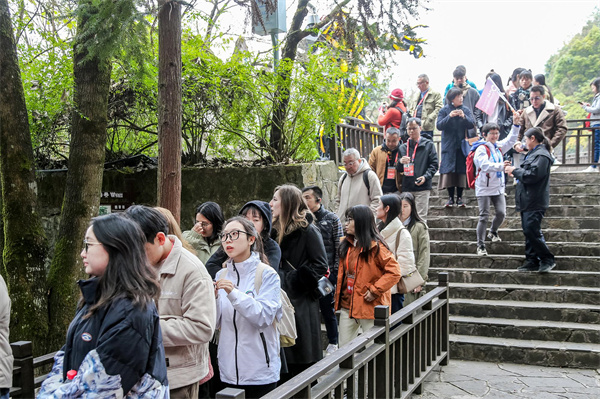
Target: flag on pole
489, 97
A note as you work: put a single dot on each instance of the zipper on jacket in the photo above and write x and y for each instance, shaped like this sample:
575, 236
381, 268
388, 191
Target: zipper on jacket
237, 372
264, 342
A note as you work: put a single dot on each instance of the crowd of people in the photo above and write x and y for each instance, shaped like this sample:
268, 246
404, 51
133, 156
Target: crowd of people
167, 313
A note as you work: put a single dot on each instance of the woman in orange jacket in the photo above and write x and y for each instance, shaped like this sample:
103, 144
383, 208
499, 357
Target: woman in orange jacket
367, 272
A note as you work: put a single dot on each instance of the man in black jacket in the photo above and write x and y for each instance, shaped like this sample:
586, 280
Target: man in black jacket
418, 164
331, 230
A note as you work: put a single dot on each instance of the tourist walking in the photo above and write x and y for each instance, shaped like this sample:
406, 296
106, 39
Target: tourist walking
533, 198
114, 344
398, 240
454, 121
383, 160
204, 236
368, 271
594, 110
420, 241
303, 263
248, 340
426, 105
489, 182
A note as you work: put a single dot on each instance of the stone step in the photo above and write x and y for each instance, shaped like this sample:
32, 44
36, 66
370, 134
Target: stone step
521, 292
543, 353
590, 211
556, 199
548, 311
516, 248
564, 188
473, 261
469, 234
525, 329
558, 177
452, 221
500, 276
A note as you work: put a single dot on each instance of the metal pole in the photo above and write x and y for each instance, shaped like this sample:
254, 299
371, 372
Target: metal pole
275, 42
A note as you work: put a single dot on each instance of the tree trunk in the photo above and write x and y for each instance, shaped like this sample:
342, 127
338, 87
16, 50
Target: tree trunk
169, 106
25, 247
83, 186
282, 93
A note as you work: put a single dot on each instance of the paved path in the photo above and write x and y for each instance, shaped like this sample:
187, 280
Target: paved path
466, 380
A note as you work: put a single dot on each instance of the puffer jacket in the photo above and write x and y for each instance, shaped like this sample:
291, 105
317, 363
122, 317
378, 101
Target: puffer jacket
203, 249
6, 356
352, 191
490, 180
117, 352
249, 342
331, 232
378, 273
187, 315
533, 187
404, 251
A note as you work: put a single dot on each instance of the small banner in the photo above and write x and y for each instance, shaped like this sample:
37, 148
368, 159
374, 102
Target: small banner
489, 97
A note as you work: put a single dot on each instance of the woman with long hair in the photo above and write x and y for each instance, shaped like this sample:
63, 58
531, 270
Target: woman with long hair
397, 238
368, 270
248, 302
204, 236
303, 263
454, 120
114, 343
532, 199
420, 240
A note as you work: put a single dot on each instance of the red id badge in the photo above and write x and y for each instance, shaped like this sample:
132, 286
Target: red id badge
350, 279
391, 173
409, 169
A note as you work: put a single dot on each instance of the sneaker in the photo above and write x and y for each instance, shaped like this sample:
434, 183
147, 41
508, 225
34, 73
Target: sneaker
529, 266
460, 202
330, 349
546, 266
591, 169
494, 237
450, 203
481, 251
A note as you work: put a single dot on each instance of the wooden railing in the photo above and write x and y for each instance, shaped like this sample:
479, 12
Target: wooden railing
24, 370
390, 360
577, 149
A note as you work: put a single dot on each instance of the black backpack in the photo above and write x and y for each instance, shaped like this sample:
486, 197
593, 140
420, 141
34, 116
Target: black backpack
402, 128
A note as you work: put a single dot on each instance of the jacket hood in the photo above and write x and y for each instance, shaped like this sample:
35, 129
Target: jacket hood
265, 210
364, 166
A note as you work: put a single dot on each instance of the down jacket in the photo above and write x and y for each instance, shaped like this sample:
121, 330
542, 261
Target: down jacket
249, 342
117, 352
378, 273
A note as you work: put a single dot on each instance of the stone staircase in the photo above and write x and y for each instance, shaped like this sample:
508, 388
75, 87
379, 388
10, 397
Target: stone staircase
501, 315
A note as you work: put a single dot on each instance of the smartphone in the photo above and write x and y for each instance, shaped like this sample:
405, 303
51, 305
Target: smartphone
579, 102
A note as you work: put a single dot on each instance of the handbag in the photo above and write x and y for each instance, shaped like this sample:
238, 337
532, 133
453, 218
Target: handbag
465, 146
324, 286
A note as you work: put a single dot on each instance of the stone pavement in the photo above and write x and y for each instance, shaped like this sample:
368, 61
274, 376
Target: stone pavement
468, 379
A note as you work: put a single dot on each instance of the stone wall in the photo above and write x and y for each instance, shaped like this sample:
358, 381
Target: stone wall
230, 187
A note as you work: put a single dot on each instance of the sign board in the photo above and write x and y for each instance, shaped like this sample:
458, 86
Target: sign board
274, 23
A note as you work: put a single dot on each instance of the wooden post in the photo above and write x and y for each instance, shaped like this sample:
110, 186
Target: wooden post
382, 362
22, 351
231, 393
445, 320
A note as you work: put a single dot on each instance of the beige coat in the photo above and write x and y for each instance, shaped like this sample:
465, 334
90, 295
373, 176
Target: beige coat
404, 252
187, 311
6, 357
551, 121
352, 191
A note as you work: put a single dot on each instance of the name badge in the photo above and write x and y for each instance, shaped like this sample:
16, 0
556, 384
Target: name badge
409, 169
350, 279
391, 173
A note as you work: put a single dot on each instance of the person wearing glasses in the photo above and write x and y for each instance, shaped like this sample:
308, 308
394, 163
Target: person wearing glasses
545, 115
426, 105
303, 263
114, 346
249, 347
204, 236
186, 305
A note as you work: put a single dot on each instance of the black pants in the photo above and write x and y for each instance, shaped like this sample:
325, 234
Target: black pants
255, 391
536, 250
328, 313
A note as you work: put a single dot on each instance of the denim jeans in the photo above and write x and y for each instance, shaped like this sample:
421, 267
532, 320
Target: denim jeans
4, 392
596, 144
326, 304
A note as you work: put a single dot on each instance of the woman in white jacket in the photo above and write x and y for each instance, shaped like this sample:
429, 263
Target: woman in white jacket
390, 227
490, 184
248, 351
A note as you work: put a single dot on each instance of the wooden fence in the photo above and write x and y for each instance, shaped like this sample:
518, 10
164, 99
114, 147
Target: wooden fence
391, 360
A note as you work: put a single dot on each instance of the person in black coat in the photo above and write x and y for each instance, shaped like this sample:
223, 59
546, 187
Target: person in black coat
303, 263
114, 344
454, 120
533, 198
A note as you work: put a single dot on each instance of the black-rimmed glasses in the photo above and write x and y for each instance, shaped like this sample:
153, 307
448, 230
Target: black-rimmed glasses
232, 235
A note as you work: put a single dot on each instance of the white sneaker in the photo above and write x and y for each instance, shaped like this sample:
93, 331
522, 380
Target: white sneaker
330, 349
494, 237
591, 169
481, 251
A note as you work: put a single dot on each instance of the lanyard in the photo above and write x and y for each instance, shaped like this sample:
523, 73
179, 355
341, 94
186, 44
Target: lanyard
423, 96
395, 161
348, 262
414, 151
492, 153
